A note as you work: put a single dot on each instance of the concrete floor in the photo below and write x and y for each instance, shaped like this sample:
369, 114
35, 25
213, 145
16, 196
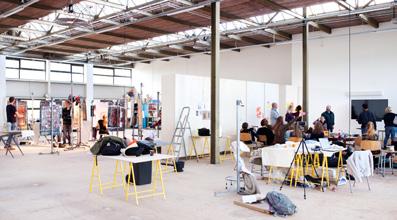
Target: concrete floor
56, 187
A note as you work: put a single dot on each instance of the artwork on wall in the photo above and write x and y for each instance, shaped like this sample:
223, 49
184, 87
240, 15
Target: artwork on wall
46, 119
258, 112
22, 115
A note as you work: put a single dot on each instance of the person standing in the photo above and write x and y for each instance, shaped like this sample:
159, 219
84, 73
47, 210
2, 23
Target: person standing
66, 123
329, 118
365, 117
289, 116
274, 114
388, 119
12, 114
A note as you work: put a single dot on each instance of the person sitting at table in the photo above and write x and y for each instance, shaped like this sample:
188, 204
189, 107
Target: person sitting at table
246, 130
102, 126
318, 131
371, 132
280, 129
264, 130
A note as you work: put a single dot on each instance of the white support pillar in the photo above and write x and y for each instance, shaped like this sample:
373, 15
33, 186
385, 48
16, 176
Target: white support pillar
3, 90
282, 105
89, 88
48, 77
89, 95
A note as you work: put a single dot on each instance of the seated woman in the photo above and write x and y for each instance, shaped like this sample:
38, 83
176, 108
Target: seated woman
264, 130
371, 132
102, 126
318, 131
280, 129
246, 130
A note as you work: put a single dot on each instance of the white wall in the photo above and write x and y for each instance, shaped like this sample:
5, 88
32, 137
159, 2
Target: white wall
259, 64
373, 68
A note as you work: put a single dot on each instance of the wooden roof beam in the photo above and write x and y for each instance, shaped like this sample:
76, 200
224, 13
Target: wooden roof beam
245, 39
281, 34
180, 21
321, 27
148, 29
368, 20
186, 48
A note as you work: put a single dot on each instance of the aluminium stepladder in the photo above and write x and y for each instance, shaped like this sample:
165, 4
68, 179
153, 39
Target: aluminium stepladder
178, 139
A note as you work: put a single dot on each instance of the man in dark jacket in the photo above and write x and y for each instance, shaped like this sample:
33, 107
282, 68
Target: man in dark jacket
365, 117
67, 122
265, 131
329, 118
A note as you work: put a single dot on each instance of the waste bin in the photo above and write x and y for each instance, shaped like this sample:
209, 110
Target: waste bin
143, 173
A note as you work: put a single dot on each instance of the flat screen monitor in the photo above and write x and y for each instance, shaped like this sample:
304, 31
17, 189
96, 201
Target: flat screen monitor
377, 106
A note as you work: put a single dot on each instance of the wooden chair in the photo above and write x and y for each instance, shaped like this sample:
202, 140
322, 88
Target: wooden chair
295, 139
245, 137
368, 145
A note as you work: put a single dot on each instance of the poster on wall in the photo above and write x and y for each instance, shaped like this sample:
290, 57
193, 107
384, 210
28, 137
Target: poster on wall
258, 112
22, 115
46, 119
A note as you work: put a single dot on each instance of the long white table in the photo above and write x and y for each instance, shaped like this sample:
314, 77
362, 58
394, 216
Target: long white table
283, 156
120, 169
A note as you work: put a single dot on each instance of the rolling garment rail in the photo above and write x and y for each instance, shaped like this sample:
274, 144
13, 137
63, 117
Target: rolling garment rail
178, 139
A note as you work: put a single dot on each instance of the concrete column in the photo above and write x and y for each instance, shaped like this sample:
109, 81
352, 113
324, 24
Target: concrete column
3, 90
215, 49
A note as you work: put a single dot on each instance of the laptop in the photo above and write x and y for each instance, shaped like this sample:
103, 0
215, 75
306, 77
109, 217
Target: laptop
324, 143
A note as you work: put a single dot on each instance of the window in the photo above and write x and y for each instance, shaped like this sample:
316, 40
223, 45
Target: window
66, 72
12, 73
112, 76
25, 69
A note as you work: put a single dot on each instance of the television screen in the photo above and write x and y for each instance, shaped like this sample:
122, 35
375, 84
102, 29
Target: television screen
377, 106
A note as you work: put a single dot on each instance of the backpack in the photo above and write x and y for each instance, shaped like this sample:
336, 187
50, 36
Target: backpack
111, 148
280, 203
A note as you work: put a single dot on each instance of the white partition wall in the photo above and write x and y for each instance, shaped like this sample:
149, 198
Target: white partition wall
373, 70
3, 91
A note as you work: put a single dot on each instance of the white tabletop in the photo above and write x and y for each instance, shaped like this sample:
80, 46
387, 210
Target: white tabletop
140, 159
281, 155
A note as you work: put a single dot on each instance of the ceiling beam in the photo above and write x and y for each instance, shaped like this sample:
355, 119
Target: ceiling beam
180, 21
148, 29
245, 39
77, 46
95, 41
281, 34
123, 36
368, 20
186, 48
278, 8
17, 9
321, 27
